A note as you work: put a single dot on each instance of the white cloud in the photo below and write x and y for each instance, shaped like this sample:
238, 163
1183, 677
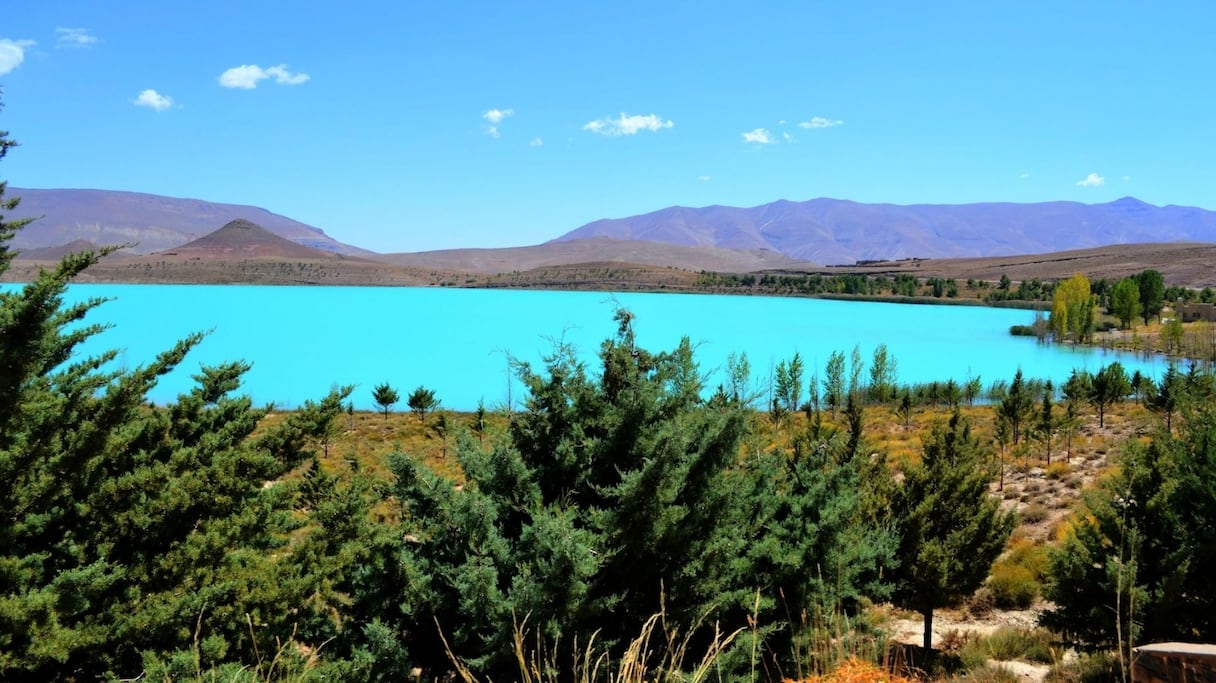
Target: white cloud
284, 77
627, 124
495, 117
247, 76
1092, 180
536, 142
1126, 178
153, 100
760, 136
703, 178
820, 122
74, 37
1024, 176
12, 53
787, 137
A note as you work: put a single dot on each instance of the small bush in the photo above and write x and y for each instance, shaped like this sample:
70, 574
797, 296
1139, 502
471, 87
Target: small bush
1008, 643
1057, 470
1097, 667
1013, 586
1012, 491
1034, 514
1022, 331
981, 603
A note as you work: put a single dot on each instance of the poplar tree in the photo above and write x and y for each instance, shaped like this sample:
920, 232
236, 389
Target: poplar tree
1072, 310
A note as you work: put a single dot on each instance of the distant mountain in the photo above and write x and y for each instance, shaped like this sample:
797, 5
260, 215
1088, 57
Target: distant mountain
596, 250
152, 222
833, 231
243, 239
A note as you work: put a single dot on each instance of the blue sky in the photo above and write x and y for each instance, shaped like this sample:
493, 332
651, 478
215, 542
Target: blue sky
407, 126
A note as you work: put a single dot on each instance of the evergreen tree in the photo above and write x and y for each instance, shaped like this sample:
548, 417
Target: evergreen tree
129, 528
1168, 396
1136, 563
385, 396
1110, 386
611, 498
950, 530
1046, 423
422, 401
1016, 406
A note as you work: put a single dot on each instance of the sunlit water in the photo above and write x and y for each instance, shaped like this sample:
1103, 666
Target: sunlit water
304, 340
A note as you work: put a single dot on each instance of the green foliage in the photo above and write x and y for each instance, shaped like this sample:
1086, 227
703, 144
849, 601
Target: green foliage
1136, 565
1110, 386
1017, 578
385, 396
1086, 667
1151, 287
787, 387
616, 497
883, 374
1009, 643
833, 381
422, 401
1125, 301
1072, 310
130, 528
1016, 406
950, 530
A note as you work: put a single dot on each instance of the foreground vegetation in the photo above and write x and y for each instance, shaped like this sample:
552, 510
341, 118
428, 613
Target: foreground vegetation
628, 524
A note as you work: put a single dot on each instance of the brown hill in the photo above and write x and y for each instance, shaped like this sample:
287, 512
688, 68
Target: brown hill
56, 253
1188, 264
242, 239
597, 250
151, 222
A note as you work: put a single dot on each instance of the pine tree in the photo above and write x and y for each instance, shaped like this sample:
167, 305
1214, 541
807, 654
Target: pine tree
1136, 563
950, 530
127, 527
385, 396
610, 500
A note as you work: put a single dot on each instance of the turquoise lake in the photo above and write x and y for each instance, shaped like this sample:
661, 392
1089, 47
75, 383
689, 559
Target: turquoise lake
303, 340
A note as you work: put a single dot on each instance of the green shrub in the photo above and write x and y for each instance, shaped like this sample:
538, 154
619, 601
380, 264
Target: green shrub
1022, 330
1028, 645
1006, 644
1096, 667
1013, 586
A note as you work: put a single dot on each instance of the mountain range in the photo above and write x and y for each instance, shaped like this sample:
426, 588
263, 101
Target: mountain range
782, 234
834, 231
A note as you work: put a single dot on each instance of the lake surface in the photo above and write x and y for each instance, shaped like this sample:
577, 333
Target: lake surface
303, 340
